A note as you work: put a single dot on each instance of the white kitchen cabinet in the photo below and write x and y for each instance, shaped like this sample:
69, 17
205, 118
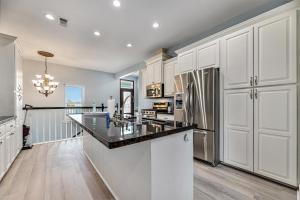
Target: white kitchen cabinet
169, 76
2, 155
8, 151
155, 72
144, 82
10, 145
275, 46
208, 55
237, 59
238, 128
177, 70
158, 72
187, 60
165, 117
275, 133
150, 74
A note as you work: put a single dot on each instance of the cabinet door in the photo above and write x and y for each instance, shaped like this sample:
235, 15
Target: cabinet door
2, 156
208, 55
169, 73
275, 59
187, 61
238, 128
8, 150
237, 59
150, 74
275, 133
158, 72
144, 81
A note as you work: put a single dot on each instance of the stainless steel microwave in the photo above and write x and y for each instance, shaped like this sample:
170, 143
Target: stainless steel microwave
155, 90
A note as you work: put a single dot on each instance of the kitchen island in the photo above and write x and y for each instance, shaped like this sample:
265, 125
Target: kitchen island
150, 161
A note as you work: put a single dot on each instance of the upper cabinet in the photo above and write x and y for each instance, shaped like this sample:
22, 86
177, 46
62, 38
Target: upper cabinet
275, 58
169, 74
187, 60
144, 81
208, 55
262, 55
155, 67
237, 59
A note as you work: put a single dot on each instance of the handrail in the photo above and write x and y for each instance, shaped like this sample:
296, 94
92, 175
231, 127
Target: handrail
102, 107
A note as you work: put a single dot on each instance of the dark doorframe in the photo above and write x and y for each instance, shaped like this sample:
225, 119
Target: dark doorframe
125, 90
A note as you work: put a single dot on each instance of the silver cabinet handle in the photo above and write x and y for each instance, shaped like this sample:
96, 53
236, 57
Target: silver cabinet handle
251, 81
255, 80
251, 94
255, 94
186, 138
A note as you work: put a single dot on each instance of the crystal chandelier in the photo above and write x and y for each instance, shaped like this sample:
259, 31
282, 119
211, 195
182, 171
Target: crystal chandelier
44, 83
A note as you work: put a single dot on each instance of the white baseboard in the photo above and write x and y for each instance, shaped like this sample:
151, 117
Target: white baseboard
102, 177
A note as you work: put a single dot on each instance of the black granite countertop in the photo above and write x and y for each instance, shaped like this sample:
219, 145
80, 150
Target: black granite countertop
113, 135
4, 119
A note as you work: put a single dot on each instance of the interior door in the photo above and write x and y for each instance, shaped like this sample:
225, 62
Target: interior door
275, 133
129, 104
127, 96
238, 128
237, 59
275, 45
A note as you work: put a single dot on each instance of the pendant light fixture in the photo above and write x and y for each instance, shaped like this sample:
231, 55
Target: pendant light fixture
44, 83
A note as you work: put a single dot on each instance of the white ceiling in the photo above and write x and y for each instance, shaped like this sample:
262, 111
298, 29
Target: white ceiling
76, 45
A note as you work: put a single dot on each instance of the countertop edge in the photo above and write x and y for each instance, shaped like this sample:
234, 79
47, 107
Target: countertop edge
118, 144
9, 118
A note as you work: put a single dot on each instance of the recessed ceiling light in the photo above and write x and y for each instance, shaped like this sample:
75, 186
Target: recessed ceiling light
129, 45
50, 17
97, 33
155, 25
117, 3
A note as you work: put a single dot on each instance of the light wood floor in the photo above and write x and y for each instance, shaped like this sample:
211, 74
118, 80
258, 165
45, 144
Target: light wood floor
60, 170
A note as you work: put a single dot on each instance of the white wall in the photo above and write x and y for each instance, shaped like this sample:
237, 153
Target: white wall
98, 86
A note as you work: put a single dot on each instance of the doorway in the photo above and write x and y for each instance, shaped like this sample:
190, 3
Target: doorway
127, 96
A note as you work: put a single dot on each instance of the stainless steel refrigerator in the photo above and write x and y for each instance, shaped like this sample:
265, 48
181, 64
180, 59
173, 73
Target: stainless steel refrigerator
197, 101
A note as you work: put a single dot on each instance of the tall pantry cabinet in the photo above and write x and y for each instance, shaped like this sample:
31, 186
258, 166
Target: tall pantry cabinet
260, 98
11, 134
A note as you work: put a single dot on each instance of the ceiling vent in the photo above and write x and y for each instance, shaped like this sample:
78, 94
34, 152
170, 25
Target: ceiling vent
63, 22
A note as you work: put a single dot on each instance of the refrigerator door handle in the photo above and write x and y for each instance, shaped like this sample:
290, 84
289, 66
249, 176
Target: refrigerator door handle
186, 103
192, 102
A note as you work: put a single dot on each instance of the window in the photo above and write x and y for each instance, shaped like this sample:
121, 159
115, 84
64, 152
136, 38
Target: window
73, 96
126, 84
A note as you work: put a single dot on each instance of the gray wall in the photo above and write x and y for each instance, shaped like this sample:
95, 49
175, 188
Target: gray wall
98, 86
7, 80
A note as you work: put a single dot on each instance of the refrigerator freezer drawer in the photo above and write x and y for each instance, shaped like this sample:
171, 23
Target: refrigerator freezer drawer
205, 146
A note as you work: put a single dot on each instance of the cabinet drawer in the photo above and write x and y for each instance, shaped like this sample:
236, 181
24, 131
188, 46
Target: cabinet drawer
10, 125
165, 117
